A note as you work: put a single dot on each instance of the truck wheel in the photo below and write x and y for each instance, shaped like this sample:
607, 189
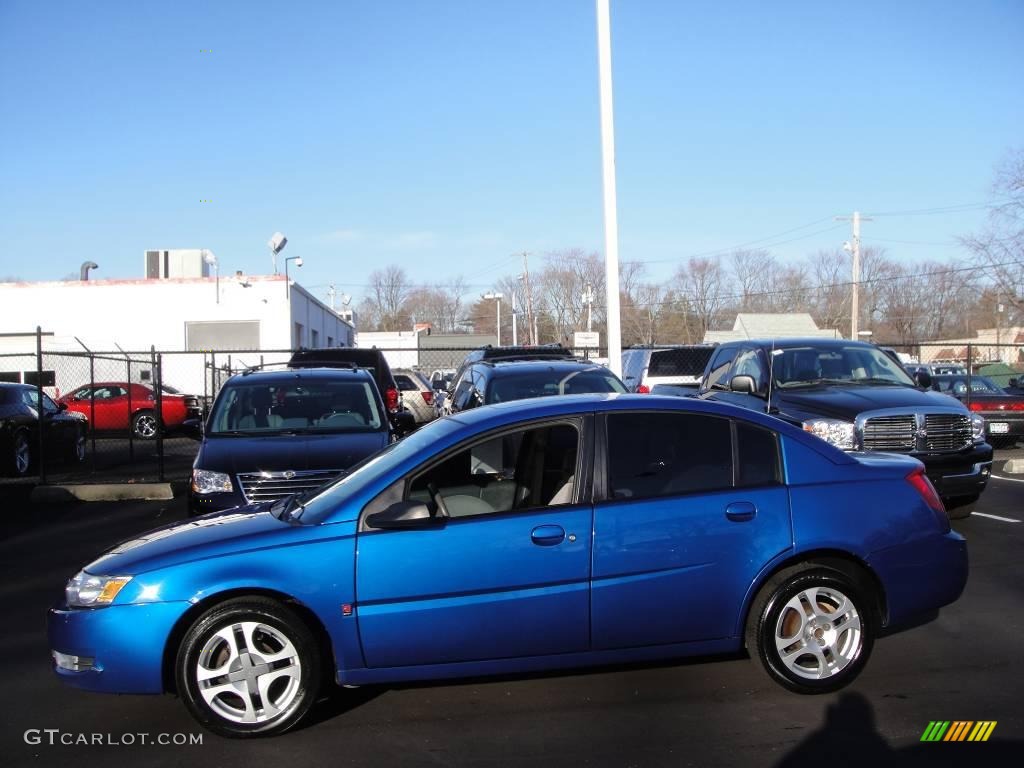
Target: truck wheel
22, 454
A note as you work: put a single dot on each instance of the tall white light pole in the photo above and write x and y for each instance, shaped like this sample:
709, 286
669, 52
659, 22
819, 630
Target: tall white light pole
515, 320
611, 224
497, 298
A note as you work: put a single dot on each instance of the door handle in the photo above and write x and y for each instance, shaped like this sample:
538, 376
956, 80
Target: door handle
741, 511
547, 535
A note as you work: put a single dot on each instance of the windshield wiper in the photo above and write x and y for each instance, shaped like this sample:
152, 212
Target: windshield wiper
877, 380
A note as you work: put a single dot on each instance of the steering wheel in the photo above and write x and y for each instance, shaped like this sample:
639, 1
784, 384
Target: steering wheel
435, 495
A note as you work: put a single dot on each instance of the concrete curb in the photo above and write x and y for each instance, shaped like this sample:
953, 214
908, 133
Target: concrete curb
1014, 467
55, 494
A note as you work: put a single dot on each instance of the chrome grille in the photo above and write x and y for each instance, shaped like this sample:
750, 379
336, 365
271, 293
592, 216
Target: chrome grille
890, 433
271, 486
947, 431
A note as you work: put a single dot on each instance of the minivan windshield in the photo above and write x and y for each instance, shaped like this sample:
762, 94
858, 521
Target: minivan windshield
313, 406
812, 365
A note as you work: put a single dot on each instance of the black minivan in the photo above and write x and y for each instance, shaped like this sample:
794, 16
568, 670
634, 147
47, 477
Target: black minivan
271, 434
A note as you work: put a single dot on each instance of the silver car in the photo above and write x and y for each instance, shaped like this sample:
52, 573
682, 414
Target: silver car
417, 394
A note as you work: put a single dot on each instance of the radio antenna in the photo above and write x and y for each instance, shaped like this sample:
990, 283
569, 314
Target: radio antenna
771, 378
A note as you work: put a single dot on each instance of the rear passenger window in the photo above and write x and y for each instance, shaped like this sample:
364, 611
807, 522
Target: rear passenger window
667, 454
757, 452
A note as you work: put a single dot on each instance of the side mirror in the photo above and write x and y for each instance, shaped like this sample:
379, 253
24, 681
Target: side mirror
404, 514
923, 379
62, 406
744, 384
192, 428
1013, 382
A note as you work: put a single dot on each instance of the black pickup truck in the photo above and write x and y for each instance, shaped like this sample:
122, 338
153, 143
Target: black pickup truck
858, 398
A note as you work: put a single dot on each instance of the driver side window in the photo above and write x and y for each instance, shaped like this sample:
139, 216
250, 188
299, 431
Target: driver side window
525, 469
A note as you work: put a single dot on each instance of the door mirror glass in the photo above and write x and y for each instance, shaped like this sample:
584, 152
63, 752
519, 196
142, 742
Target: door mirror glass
744, 384
923, 379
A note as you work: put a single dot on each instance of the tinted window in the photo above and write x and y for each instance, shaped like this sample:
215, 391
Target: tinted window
686, 361
519, 470
750, 362
541, 383
757, 452
405, 383
718, 376
667, 454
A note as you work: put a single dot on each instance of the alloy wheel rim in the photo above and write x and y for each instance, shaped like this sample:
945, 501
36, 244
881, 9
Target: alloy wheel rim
145, 426
818, 633
249, 673
22, 456
80, 447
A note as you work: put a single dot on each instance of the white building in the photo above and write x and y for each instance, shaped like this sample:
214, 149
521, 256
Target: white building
183, 314
783, 325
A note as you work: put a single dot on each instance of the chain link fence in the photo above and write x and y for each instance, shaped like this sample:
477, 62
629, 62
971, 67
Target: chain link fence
131, 405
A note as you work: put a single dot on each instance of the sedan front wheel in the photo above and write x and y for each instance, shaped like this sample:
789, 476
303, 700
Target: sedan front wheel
248, 667
811, 629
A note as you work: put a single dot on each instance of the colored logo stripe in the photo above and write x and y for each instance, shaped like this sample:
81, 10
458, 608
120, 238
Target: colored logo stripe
935, 730
958, 730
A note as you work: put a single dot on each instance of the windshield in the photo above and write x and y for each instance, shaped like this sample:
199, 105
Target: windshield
317, 406
546, 383
811, 365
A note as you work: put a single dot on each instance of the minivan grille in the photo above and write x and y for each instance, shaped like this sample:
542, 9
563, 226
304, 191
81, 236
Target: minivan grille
947, 431
271, 486
890, 433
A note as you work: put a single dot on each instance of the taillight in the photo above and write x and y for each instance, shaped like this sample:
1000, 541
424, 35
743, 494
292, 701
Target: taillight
643, 389
976, 406
391, 398
428, 396
924, 486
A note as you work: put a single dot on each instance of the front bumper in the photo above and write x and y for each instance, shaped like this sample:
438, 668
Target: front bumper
1002, 425
201, 503
119, 648
921, 576
959, 474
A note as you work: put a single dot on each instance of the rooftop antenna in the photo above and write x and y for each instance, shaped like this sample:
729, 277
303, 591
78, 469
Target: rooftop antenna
276, 244
771, 377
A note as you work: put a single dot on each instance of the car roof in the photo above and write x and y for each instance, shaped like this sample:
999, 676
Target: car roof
16, 385
519, 411
507, 366
285, 375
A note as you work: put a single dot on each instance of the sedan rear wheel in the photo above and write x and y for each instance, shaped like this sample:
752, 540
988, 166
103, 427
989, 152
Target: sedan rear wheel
811, 629
145, 425
248, 667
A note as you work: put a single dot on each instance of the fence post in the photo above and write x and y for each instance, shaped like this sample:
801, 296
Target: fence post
41, 411
131, 441
970, 368
213, 375
158, 396
92, 407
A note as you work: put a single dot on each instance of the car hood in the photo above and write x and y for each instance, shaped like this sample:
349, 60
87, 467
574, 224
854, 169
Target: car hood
272, 453
846, 402
210, 535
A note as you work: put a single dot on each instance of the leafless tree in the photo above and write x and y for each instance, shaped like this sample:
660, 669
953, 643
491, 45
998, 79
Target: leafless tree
389, 289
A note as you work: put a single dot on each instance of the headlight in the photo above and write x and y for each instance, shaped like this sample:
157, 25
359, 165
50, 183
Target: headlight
87, 591
838, 433
978, 427
205, 481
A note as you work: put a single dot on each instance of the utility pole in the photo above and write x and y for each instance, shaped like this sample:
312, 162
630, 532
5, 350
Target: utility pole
588, 297
531, 323
330, 296
854, 247
515, 316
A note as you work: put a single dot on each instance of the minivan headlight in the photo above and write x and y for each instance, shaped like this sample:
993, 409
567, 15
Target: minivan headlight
205, 481
978, 427
838, 433
87, 591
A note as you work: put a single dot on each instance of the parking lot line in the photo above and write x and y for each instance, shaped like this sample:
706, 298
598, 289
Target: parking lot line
1011, 479
994, 517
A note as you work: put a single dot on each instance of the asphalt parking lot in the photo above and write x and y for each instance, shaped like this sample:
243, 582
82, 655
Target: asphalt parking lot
967, 665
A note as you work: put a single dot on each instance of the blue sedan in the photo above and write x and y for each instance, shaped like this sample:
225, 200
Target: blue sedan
532, 535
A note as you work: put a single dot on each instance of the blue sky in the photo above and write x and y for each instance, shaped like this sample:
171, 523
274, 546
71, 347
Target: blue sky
447, 136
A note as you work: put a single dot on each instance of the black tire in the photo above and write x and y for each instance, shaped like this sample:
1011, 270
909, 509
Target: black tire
961, 507
21, 460
835, 653
145, 425
272, 629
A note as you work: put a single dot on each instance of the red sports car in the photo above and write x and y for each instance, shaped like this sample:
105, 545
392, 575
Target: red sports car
118, 406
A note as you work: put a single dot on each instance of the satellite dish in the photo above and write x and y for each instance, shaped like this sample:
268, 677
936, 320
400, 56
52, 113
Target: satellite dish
277, 242
209, 258
345, 299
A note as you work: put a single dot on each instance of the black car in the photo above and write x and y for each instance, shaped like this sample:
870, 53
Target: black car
1003, 412
271, 434
487, 382
492, 353
858, 398
63, 431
